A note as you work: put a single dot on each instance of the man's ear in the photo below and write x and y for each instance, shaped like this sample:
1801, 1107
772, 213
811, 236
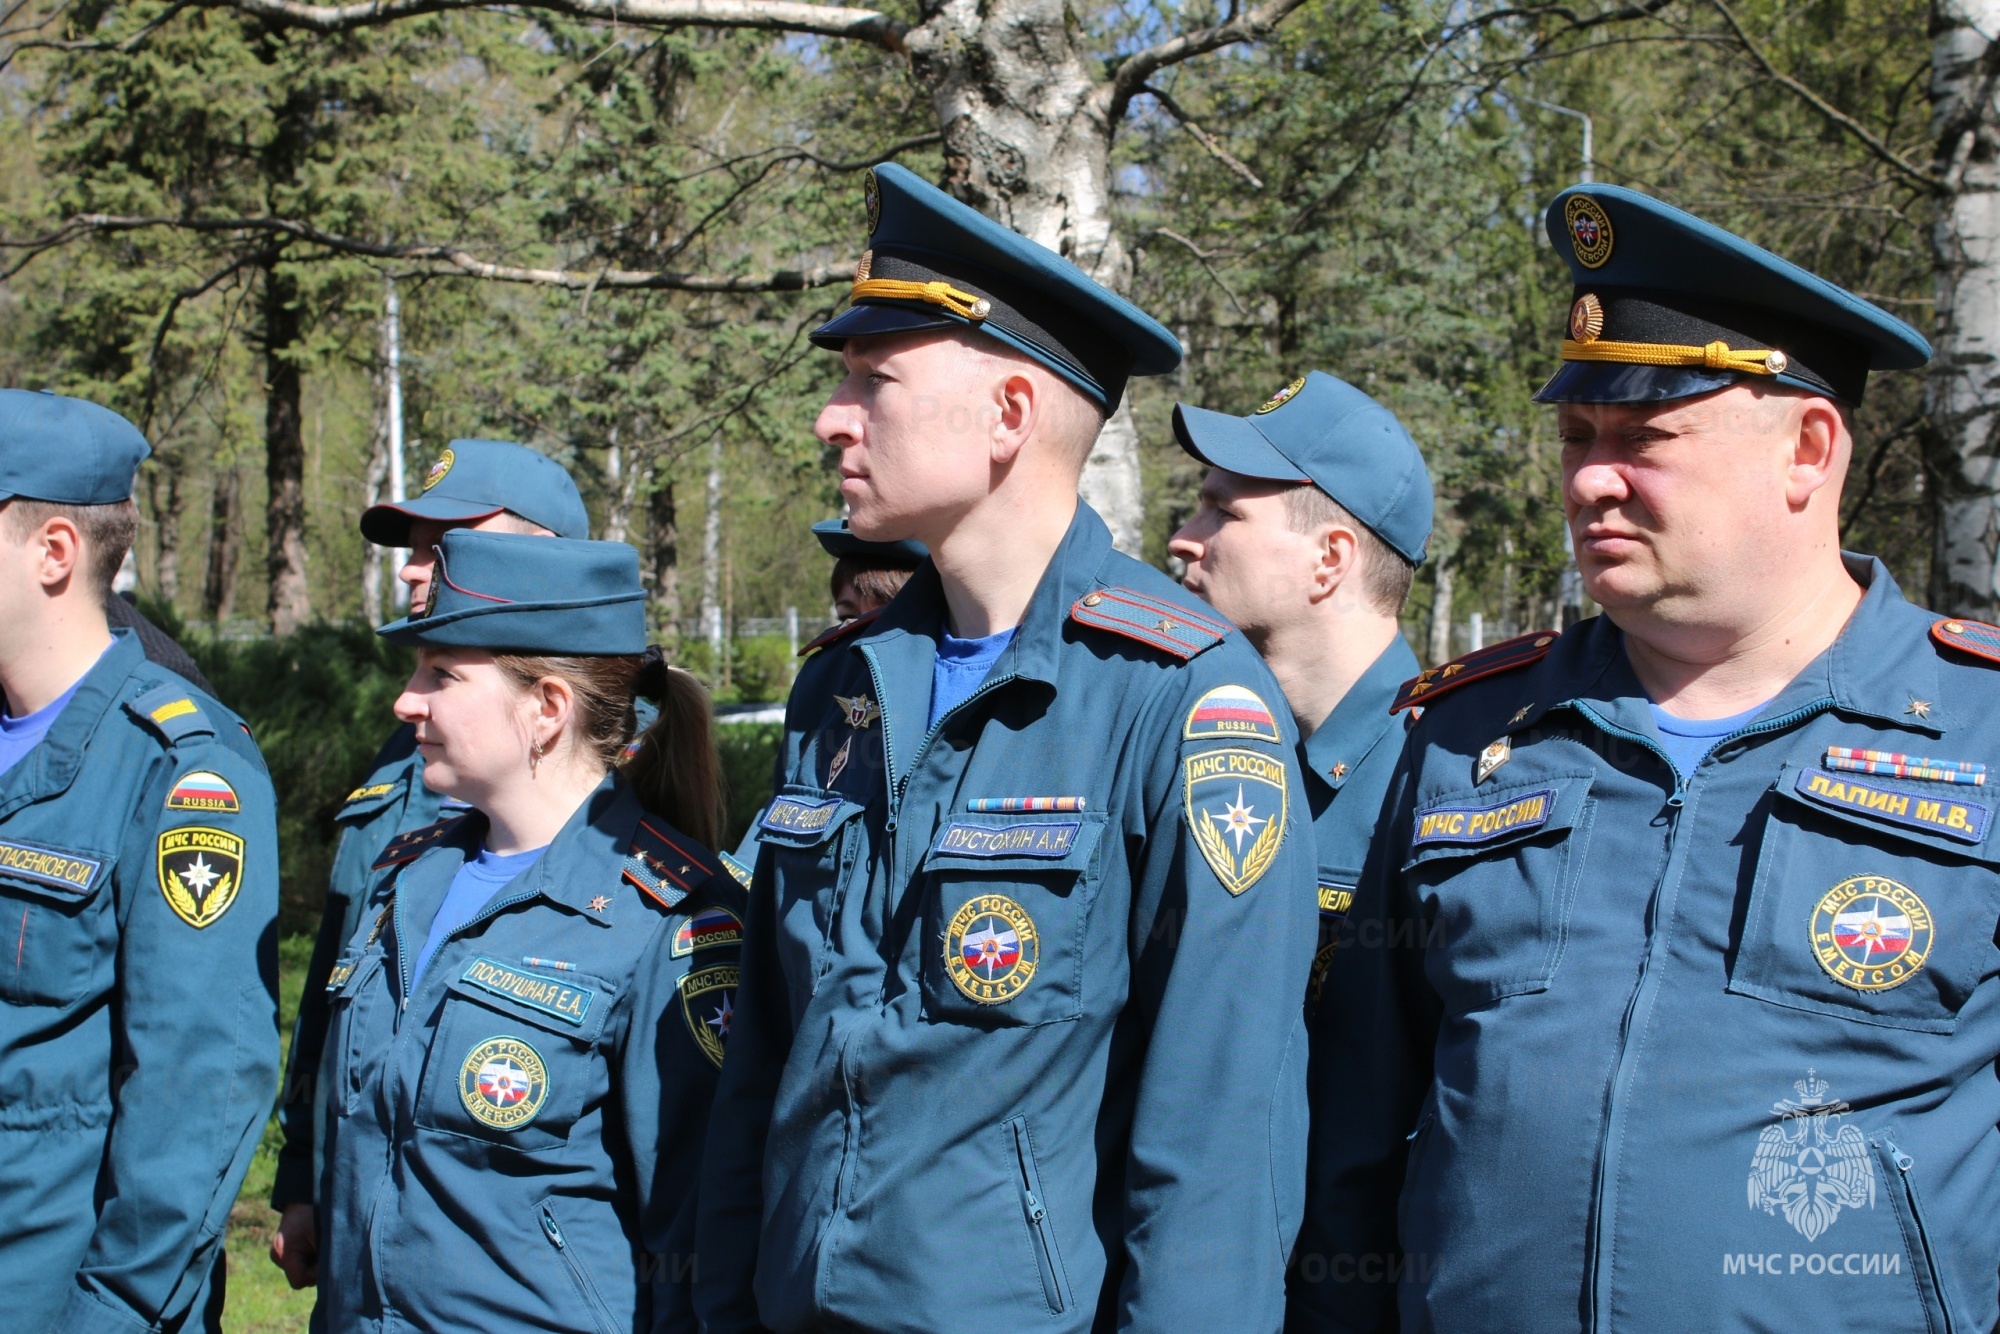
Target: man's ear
1338, 563
1820, 449
61, 551
1019, 403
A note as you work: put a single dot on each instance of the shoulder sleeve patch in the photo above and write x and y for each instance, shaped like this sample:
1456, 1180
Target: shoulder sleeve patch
1975, 637
1166, 626
1505, 656
835, 634
1231, 711
411, 843
667, 865
171, 713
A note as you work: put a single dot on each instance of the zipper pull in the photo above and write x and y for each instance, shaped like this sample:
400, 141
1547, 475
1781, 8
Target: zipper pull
1035, 1210
550, 1228
1903, 1160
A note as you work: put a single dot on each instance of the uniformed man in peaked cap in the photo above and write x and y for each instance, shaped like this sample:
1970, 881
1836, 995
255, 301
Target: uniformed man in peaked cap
491, 486
139, 897
1674, 1000
1019, 1026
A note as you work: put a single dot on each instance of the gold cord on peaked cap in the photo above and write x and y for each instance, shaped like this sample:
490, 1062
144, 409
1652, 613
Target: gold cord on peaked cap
962, 304
1716, 356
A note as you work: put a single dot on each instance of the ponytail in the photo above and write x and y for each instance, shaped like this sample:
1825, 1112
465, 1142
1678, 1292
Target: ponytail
673, 765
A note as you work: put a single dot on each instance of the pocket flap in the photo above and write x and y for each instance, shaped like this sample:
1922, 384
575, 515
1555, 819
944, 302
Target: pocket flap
572, 1004
1056, 842
804, 817
66, 875
1472, 822
1944, 816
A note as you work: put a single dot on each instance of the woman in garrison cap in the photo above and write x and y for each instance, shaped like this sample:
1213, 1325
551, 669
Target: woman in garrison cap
527, 1027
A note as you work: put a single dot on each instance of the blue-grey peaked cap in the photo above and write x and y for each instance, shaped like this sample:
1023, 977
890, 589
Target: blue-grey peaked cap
522, 593
1667, 306
1322, 430
933, 262
68, 451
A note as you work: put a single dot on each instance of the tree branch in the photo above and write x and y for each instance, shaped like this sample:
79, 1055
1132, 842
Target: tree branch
861, 25
441, 260
1203, 137
1834, 115
1131, 74
1202, 257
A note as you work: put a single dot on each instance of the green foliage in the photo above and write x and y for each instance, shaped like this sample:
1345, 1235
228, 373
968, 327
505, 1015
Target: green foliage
762, 670
749, 762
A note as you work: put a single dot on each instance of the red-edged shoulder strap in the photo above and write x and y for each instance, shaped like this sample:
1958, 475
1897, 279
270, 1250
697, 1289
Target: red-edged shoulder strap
834, 634
1975, 637
665, 863
411, 843
1159, 624
1505, 656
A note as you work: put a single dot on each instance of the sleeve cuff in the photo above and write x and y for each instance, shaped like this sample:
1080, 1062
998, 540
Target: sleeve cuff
84, 1313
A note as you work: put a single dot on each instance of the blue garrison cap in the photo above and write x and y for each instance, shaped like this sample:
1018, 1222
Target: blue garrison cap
476, 479
66, 450
838, 540
934, 263
1325, 431
527, 594
1668, 306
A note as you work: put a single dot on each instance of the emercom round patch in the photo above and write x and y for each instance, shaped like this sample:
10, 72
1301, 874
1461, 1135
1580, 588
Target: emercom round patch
1589, 230
439, 469
1871, 933
503, 1083
991, 948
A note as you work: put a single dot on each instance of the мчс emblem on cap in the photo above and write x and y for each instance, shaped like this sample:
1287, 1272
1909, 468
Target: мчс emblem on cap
503, 1083
1871, 933
201, 872
1282, 397
991, 948
439, 469
1589, 230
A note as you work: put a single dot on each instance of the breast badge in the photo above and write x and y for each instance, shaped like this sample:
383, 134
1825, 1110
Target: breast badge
991, 948
1234, 802
201, 871
860, 711
1871, 934
503, 1083
1810, 1165
708, 1003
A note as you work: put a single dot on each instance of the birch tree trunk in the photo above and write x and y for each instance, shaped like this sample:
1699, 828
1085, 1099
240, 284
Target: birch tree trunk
1962, 397
1440, 645
663, 546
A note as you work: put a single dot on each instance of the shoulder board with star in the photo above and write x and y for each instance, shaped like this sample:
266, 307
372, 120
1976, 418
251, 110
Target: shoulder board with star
1975, 637
412, 843
170, 711
667, 865
1505, 656
1152, 621
835, 634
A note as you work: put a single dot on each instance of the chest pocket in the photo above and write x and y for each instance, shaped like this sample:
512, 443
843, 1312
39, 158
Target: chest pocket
1874, 900
814, 842
1007, 905
515, 1059
56, 927
1494, 870
360, 1023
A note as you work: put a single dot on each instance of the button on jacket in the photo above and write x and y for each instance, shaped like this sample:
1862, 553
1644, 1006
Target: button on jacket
1349, 760
389, 801
513, 1145
1713, 1053
1020, 1033
138, 1013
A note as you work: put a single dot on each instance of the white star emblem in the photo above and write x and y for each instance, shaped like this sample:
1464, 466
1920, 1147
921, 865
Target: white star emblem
1238, 820
720, 1021
199, 876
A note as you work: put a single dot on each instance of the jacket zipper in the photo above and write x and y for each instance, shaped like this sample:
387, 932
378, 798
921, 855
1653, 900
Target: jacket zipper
599, 1313
1910, 1215
1040, 1230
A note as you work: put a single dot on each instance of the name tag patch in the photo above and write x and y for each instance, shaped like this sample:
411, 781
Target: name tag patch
1949, 816
795, 815
1479, 824
1334, 901
561, 1000
50, 866
1023, 838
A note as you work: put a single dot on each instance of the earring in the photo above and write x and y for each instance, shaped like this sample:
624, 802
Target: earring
535, 753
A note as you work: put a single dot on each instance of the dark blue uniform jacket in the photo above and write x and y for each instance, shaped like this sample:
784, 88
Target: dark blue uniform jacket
1040, 1068
138, 1012
513, 1145
1705, 1054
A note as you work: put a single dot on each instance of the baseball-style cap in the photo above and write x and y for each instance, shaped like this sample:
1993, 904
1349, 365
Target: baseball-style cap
526, 594
476, 479
68, 451
837, 540
1325, 431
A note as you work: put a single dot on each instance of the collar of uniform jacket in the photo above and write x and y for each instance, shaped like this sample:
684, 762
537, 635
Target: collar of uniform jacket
51, 767
573, 871
1358, 723
902, 643
1879, 667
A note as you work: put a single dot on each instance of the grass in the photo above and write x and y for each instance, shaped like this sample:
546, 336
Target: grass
260, 1301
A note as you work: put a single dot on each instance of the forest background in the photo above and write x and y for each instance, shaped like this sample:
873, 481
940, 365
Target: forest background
604, 227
